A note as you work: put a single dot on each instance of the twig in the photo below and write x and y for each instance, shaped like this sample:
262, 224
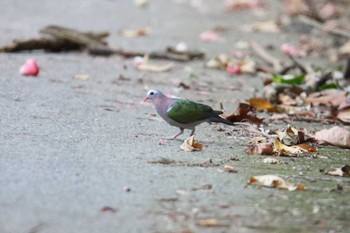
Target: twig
263, 54
314, 23
298, 64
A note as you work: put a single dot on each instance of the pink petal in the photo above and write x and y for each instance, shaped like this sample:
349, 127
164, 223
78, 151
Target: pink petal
233, 69
209, 36
29, 68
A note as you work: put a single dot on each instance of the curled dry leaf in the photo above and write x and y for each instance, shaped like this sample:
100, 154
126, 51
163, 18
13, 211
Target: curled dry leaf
335, 136
273, 181
243, 4
343, 171
260, 148
244, 112
289, 136
191, 145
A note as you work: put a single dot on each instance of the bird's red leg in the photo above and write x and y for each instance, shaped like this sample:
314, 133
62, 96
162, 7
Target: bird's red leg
176, 135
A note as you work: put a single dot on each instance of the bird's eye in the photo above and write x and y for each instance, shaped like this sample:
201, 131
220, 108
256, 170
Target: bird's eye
151, 93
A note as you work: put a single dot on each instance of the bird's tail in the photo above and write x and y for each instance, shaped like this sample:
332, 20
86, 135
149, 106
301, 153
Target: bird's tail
219, 119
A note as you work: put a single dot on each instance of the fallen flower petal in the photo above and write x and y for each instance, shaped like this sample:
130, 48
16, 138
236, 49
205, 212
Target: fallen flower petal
209, 36
272, 181
29, 68
191, 145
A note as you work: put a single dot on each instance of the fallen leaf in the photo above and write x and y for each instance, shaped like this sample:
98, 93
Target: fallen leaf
244, 112
144, 64
135, 32
258, 139
267, 26
343, 171
329, 97
242, 4
288, 136
272, 161
260, 148
261, 104
335, 136
278, 116
210, 222
281, 148
82, 77
191, 145
272, 181
344, 115
287, 78
230, 168
108, 209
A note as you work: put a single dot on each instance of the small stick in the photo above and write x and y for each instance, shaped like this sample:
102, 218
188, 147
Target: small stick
314, 23
263, 54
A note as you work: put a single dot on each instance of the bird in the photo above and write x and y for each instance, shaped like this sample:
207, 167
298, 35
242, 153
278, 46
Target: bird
183, 113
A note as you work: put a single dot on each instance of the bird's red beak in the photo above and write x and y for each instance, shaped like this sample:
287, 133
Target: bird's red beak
145, 99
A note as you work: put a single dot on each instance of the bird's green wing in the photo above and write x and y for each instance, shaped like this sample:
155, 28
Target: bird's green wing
185, 111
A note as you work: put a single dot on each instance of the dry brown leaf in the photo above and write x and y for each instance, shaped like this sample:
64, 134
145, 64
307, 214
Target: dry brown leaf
289, 136
328, 97
244, 112
335, 136
261, 148
287, 100
261, 104
344, 115
273, 181
191, 145
343, 171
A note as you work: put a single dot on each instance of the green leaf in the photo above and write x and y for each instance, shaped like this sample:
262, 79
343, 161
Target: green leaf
328, 86
289, 79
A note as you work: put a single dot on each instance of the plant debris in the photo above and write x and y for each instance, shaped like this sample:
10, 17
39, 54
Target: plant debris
191, 145
272, 181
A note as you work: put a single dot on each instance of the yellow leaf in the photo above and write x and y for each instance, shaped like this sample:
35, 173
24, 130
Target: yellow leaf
261, 104
278, 146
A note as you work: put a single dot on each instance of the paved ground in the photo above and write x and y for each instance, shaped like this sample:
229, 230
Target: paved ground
71, 147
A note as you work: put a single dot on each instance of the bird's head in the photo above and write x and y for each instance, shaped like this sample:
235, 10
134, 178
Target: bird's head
153, 95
